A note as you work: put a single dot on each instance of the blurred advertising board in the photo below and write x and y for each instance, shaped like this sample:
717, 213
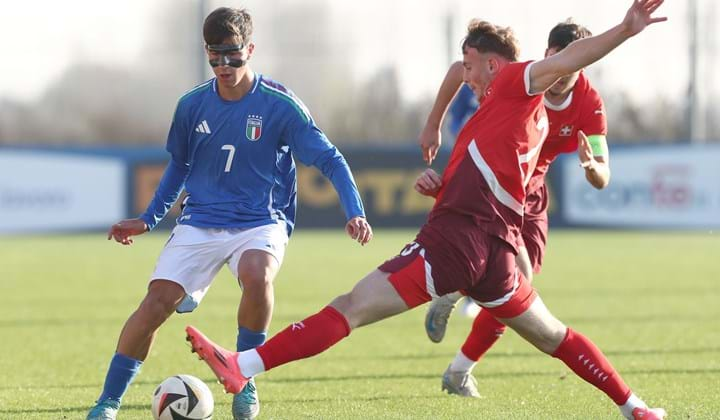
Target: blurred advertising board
45, 191
146, 177
385, 179
384, 176
650, 187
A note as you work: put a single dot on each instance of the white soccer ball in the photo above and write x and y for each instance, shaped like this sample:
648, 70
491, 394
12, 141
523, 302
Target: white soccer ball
182, 397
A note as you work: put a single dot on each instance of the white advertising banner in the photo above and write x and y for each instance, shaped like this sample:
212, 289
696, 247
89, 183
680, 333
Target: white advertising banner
45, 191
653, 187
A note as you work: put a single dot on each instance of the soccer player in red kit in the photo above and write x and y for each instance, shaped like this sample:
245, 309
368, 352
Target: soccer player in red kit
470, 239
577, 123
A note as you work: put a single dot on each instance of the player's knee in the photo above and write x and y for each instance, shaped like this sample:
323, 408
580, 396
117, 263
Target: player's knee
539, 327
344, 305
255, 277
156, 308
548, 339
161, 300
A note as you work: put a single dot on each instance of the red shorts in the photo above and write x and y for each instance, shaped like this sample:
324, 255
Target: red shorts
534, 231
414, 277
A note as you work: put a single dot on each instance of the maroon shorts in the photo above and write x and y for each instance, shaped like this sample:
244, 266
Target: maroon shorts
534, 231
499, 287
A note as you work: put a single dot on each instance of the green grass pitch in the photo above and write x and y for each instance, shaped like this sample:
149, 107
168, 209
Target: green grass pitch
649, 300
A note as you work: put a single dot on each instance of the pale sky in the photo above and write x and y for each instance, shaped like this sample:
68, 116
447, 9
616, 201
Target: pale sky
39, 39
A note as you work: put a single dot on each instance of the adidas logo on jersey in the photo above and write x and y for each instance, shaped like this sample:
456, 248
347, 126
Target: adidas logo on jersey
203, 127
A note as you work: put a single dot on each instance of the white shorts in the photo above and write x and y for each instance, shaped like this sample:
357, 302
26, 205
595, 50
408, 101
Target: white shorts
193, 256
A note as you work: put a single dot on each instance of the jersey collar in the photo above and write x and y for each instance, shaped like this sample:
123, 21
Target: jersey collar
566, 103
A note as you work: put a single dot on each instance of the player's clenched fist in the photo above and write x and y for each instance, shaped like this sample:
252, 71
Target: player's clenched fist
428, 183
124, 230
359, 229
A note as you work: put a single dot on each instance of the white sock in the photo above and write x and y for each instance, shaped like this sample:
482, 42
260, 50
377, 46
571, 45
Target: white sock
461, 363
632, 403
250, 363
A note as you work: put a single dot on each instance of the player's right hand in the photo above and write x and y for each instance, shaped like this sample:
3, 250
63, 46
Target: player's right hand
359, 229
585, 153
430, 141
124, 230
639, 15
428, 183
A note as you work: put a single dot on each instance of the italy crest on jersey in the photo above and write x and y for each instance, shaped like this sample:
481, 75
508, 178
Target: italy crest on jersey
253, 129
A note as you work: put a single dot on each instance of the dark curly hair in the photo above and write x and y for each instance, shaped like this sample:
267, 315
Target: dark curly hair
564, 33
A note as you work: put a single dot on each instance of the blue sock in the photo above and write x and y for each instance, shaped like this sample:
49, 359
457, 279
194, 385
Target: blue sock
121, 372
247, 339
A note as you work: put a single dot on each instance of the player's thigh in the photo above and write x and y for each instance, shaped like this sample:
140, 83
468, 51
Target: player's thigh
372, 299
257, 268
538, 326
412, 276
258, 253
191, 258
522, 259
164, 292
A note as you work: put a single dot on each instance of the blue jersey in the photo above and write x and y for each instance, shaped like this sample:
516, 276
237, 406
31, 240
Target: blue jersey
235, 159
462, 108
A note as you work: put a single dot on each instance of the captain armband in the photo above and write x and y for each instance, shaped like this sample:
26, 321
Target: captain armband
599, 146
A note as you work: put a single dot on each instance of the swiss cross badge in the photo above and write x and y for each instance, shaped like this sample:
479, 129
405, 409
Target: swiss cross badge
253, 129
566, 130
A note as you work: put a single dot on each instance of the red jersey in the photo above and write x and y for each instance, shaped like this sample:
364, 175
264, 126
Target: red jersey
582, 110
493, 158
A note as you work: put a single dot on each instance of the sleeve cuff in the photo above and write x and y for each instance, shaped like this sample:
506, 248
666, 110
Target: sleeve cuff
526, 78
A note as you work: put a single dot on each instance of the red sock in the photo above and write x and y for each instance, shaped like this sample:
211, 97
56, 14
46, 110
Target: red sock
306, 338
486, 330
589, 363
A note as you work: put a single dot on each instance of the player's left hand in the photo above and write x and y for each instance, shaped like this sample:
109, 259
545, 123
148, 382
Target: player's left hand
639, 15
430, 141
124, 230
428, 183
359, 229
585, 153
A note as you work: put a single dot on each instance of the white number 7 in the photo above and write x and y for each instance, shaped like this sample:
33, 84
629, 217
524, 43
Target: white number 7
231, 149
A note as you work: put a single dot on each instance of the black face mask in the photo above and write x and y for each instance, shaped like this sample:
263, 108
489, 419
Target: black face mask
223, 50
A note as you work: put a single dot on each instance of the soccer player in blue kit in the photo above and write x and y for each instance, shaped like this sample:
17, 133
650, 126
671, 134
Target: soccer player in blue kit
230, 143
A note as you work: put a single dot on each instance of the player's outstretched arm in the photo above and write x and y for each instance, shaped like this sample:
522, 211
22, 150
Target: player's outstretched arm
124, 230
597, 170
584, 52
430, 139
